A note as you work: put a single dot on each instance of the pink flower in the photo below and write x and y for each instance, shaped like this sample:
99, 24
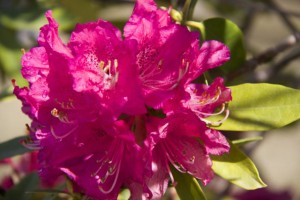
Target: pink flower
204, 99
186, 142
75, 92
101, 168
164, 59
109, 112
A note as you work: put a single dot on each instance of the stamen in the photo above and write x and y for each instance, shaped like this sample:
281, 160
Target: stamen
54, 112
63, 136
170, 174
33, 145
101, 64
107, 67
61, 116
217, 123
111, 163
114, 183
29, 129
211, 114
111, 73
182, 72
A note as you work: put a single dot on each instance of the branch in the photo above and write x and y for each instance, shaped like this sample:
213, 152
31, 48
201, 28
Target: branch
248, 20
283, 16
267, 55
282, 63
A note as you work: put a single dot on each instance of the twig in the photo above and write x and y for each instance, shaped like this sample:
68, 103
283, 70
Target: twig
282, 63
283, 16
292, 13
267, 55
248, 20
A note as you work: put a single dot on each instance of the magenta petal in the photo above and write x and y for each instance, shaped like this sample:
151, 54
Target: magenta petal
35, 64
205, 99
144, 13
49, 38
158, 183
213, 54
102, 174
188, 155
215, 143
180, 143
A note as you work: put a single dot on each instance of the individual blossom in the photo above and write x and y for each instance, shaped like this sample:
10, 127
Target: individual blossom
205, 100
168, 55
188, 142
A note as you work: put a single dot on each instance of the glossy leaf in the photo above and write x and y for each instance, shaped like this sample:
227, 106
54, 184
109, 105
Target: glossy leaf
237, 168
246, 140
32, 18
187, 187
227, 32
12, 147
124, 195
259, 107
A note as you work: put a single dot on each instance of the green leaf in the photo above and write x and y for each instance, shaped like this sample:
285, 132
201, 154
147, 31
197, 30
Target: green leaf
260, 107
32, 18
46, 194
227, 32
187, 187
12, 148
30, 182
78, 9
246, 140
237, 168
124, 195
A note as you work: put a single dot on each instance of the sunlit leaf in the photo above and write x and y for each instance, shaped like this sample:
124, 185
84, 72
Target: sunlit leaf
30, 182
258, 107
227, 32
10, 51
82, 10
187, 187
33, 18
246, 140
12, 147
124, 194
237, 168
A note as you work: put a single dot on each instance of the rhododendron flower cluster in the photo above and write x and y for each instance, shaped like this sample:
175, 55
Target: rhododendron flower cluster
112, 110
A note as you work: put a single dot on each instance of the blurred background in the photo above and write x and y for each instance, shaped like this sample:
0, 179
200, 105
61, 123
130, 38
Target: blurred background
267, 26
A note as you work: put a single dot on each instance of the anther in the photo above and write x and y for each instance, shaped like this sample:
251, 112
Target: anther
55, 112
101, 64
